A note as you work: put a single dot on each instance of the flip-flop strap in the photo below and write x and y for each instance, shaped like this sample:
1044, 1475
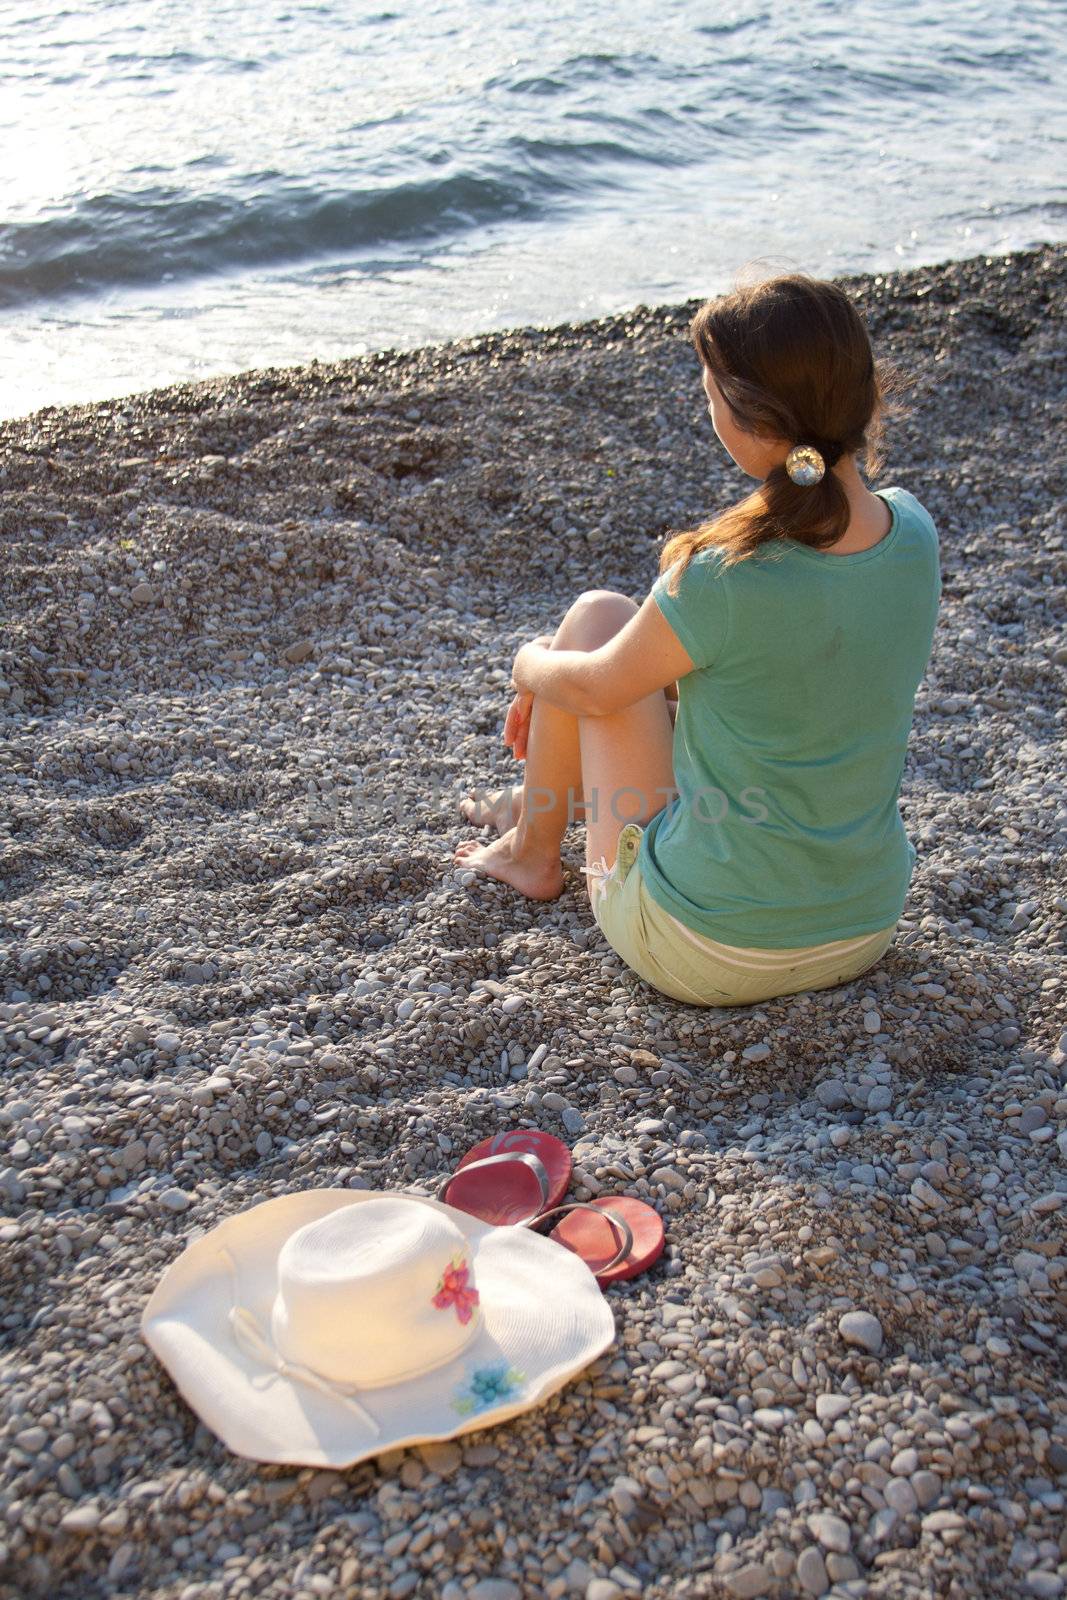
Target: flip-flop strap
525, 1158
619, 1227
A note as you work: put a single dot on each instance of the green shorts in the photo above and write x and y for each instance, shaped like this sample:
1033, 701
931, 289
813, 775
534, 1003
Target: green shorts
687, 966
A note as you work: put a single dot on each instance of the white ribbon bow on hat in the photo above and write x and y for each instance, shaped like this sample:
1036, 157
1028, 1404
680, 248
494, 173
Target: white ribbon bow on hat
249, 1336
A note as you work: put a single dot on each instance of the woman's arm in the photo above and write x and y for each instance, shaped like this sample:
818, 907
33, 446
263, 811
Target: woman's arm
642, 657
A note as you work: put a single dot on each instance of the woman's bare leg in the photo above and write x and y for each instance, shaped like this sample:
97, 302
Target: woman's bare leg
501, 809
527, 855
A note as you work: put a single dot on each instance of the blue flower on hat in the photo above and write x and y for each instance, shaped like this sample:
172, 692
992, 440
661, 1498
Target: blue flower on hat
488, 1386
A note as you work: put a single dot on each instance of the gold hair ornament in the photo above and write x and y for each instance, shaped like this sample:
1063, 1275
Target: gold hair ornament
805, 465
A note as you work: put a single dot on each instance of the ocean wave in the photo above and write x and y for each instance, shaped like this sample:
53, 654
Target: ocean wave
167, 232
171, 231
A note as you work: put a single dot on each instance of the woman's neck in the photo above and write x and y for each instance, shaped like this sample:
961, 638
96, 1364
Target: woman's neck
851, 479
869, 519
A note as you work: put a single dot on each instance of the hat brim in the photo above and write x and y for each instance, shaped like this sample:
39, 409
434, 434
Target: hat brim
543, 1319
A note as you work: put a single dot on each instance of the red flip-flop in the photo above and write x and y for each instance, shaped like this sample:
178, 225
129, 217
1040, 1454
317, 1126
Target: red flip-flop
510, 1178
624, 1239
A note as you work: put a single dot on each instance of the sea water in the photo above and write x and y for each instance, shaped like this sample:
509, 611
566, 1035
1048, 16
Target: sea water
193, 187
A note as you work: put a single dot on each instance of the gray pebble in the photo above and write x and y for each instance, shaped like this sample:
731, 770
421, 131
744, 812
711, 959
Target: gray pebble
861, 1328
832, 1532
748, 1581
927, 1486
899, 1494
1032, 1118
1046, 1585
811, 1571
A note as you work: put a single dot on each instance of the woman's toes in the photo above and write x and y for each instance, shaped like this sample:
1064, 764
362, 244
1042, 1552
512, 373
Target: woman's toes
499, 810
477, 810
538, 879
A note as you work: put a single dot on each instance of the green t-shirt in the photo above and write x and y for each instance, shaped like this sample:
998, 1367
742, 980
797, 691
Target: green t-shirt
791, 735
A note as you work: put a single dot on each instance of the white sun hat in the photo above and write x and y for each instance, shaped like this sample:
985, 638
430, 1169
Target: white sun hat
323, 1327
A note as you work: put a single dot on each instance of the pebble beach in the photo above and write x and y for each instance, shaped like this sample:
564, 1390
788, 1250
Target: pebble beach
256, 642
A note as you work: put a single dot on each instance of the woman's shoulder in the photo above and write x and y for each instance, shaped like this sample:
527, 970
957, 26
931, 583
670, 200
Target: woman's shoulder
693, 574
910, 510
711, 560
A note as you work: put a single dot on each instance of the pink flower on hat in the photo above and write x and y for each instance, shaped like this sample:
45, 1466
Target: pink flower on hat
453, 1291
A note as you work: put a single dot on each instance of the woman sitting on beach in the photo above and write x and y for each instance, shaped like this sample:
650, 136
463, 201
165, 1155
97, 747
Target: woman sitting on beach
751, 845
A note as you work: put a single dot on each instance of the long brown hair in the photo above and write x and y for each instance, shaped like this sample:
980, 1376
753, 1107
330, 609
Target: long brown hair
793, 361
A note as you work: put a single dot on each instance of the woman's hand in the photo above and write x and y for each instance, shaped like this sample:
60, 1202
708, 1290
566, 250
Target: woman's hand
517, 724
518, 666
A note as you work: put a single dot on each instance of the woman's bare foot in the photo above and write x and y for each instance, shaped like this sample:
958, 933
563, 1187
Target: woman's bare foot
500, 810
534, 877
